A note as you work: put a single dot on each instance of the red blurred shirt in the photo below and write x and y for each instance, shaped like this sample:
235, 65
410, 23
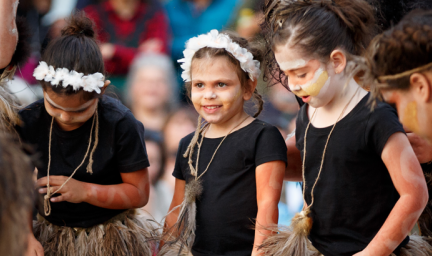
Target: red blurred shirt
154, 27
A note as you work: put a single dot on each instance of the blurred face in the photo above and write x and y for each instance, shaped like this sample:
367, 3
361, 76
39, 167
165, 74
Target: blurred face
69, 111
150, 89
308, 78
178, 126
155, 159
216, 93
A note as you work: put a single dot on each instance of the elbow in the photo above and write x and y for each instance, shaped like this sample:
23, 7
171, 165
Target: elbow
143, 200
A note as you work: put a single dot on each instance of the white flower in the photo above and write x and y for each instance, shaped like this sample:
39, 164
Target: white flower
93, 82
75, 79
41, 70
216, 40
60, 75
50, 75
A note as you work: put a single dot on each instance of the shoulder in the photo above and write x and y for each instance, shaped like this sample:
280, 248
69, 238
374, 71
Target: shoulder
383, 113
113, 110
185, 141
32, 111
260, 130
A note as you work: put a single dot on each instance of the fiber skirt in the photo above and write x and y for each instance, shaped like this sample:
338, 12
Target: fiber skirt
124, 234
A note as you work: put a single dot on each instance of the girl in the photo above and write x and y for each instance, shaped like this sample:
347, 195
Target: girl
93, 157
230, 171
400, 70
362, 184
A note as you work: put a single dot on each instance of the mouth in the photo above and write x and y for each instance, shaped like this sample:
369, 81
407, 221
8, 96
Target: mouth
306, 99
211, 108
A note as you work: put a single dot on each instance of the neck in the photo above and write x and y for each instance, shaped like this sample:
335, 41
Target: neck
152, 119
341, 98
125, 9
222, 129
202, 4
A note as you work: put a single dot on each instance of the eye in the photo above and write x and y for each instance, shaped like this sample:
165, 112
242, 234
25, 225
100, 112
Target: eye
199, 85
221, 84
302, 76
80, 111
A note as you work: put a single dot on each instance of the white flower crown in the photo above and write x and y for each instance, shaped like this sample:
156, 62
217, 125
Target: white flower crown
77, 80
214, 39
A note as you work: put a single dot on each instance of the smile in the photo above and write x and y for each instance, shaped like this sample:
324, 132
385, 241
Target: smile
212, 107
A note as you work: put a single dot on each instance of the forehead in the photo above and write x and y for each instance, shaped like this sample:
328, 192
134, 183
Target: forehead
290, 58
72, 102
213, 68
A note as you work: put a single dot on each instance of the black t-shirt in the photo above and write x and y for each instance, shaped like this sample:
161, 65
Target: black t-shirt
121, 149
355, 193
228, 207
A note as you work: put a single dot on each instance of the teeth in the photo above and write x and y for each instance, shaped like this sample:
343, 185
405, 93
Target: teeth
212, 107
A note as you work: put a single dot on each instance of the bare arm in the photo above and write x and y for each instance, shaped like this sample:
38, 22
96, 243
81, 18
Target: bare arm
408, 179
294, 168
269, 180
8, 31
132, 193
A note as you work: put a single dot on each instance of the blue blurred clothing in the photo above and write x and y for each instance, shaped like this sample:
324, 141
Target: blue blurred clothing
187, 22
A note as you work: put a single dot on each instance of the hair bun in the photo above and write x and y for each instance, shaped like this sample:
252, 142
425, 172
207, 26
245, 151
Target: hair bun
79, 24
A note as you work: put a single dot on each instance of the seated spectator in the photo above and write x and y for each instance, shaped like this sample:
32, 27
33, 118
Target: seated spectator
126, 28
152, 90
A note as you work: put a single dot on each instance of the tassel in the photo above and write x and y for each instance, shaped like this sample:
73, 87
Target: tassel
184, 228
417, 246
292, 241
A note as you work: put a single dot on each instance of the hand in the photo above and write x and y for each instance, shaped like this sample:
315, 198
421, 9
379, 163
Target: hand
421, 147
73, 191
107, 50
151, 45
34, 248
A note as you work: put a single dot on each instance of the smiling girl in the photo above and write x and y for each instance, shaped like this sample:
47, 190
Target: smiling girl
362, 184
230, 171
92, 152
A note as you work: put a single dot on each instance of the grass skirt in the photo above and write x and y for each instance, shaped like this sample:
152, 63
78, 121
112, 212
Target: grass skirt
122, 235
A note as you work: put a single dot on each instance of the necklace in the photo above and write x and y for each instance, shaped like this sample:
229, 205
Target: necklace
47, 205
194, 171
307, 210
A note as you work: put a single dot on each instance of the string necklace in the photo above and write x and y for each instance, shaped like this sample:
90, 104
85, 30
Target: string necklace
306, 212
194, 171
47, 205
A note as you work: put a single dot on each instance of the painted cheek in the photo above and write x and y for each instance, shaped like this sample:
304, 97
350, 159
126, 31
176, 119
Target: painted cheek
409, 119
314, 88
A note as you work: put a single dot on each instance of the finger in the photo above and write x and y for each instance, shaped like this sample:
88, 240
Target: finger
55, 180
52, 189
107, 82
57, 199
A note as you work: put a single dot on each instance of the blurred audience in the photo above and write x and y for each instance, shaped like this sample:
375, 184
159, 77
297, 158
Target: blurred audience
249, 19
189, 18
160, 193
152, 90
179, 124
127, 27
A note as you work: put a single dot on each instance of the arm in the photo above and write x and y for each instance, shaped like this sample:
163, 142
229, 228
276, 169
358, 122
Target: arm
294, 168
132, 193
8, 31
408, 179
269, 180
178, 197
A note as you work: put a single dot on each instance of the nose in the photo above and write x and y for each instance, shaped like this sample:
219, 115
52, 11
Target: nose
65, 117
209, 93
293, 85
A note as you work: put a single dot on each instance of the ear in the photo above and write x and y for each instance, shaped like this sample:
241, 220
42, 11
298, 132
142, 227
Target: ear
107, 82
338, 58
247, 94
421, 87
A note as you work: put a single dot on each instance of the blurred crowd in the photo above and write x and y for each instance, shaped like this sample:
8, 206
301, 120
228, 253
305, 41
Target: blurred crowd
141, 41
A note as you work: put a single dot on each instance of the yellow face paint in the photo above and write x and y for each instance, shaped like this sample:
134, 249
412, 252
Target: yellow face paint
410, 117
315, 88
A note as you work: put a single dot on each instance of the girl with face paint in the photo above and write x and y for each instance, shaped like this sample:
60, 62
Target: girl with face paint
93, 161
230, 170
363, 185
400, 73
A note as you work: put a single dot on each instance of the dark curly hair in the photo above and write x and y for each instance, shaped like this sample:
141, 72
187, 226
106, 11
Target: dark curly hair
317, 27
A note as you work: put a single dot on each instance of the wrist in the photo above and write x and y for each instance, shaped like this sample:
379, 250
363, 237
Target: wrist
87, 191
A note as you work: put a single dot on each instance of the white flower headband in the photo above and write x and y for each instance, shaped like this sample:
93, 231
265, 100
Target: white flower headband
214, 39
77, 80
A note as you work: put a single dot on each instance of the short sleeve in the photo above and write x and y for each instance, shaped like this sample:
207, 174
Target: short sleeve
383, 123
177, 173
270, 146
131, 154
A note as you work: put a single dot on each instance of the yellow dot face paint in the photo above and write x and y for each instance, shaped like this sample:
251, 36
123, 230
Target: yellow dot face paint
409, 118
314, 88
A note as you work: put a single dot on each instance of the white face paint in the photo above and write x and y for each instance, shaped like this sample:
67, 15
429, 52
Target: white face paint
293, 64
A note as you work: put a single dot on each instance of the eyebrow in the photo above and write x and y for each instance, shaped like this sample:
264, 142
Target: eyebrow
83, 107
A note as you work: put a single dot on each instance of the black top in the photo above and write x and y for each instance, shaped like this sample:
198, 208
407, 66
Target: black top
228, 207
121, 149
355, 193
